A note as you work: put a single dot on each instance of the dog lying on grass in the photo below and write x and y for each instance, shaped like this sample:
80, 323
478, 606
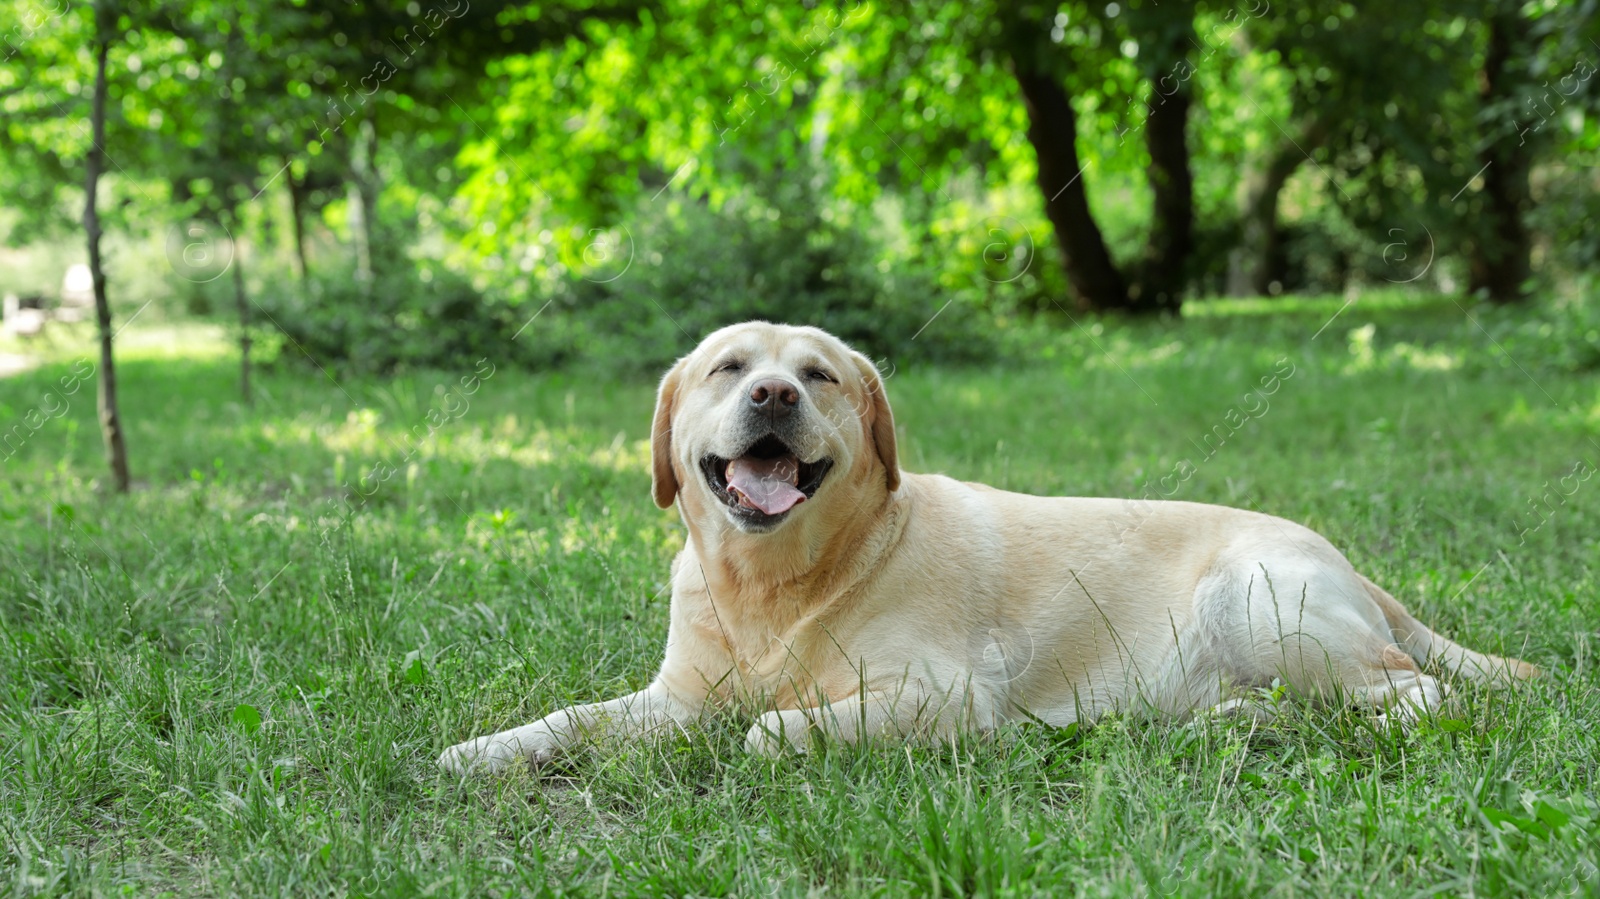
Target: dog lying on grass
848, 599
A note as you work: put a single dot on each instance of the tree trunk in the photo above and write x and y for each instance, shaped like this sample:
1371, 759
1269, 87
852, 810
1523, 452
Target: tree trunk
297, 215
1263, 238
242, 303
359, 234
110, 421
364, 200
1171, 238
1500, 256
1053, 130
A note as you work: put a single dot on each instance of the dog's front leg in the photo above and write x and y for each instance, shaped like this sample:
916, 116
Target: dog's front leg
631, 715
909, 711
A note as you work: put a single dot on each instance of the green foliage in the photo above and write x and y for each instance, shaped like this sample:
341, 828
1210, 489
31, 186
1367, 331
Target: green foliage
640, 295
1561, 333
498, 142
695, 269
1568, 208
416, 315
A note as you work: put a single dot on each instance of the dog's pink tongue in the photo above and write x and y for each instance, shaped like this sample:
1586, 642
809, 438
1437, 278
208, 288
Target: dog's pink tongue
766, 484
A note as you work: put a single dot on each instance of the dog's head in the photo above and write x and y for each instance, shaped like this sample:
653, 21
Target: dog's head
764, 423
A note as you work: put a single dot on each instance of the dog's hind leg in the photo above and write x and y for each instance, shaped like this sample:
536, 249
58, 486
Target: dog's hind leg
1313, 624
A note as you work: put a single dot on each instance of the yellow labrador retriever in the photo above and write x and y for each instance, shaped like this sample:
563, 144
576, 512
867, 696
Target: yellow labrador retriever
842, 596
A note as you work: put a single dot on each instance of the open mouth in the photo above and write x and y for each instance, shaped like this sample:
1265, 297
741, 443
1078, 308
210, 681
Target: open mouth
761, 486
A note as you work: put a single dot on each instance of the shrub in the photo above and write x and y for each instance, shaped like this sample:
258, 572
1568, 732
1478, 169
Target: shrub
695, 269
414, 316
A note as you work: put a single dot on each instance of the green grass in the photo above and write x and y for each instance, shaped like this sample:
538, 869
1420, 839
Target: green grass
213, 686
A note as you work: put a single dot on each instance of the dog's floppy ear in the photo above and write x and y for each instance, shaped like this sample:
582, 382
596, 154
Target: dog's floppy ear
879, 419
663, 480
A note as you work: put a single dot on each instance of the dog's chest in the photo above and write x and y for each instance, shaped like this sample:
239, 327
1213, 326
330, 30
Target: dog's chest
777, 658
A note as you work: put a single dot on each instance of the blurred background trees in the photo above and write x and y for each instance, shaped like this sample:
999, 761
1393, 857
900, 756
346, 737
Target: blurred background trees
391, 184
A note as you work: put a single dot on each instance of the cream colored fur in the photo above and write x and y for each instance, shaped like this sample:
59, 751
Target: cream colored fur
914, 605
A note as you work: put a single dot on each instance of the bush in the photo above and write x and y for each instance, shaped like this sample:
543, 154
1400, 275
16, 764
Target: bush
416, 316
649, 292
695, 269
1560, 333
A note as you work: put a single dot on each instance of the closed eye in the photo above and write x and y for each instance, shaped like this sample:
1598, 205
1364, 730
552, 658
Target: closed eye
817, 374
730, 365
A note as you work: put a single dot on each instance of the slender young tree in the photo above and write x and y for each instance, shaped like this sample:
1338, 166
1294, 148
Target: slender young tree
110, 420
297, 189
236, 180
241, 301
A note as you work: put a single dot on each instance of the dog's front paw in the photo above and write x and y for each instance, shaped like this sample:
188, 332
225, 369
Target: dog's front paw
776, 733
495, 753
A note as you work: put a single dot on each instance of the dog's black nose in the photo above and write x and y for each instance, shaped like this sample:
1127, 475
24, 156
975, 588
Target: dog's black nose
774, 397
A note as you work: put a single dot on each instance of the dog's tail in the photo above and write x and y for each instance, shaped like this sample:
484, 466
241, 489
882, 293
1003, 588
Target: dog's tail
1424, 644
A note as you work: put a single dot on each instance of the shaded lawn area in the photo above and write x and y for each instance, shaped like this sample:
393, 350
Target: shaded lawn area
220, 686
